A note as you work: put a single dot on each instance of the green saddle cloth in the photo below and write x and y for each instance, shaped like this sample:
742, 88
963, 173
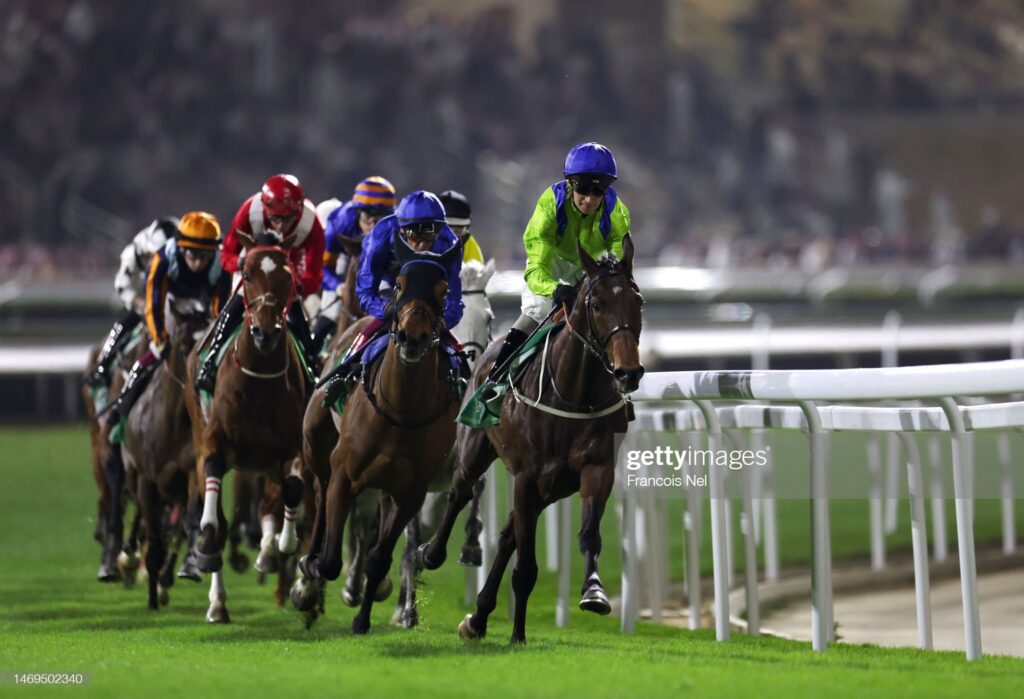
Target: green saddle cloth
483, 409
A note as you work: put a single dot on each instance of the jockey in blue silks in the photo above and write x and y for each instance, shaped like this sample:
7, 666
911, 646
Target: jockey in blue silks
420, 220
372, 200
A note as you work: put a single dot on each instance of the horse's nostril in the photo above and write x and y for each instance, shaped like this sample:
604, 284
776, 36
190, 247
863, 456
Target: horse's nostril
402, 337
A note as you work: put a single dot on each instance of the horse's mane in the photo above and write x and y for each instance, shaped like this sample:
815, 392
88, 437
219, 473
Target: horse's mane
609, 264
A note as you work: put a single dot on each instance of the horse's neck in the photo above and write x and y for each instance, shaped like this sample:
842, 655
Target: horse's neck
251, 358
577, 374
410, 387
348, 292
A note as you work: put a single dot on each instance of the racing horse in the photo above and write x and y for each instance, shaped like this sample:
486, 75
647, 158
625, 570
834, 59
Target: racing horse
253, 421
474, 334
557, 442
157, 445
394, 435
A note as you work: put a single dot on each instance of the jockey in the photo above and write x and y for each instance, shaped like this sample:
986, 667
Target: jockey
188, 266
128, 282
420, 218
583, 208
280, 210
373, 199
457, 215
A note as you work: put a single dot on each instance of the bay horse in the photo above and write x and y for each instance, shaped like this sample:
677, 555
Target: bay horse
556, 442
254, 419
158, 447
394, 436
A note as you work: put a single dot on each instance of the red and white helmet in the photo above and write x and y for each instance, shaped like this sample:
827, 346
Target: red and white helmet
282, 195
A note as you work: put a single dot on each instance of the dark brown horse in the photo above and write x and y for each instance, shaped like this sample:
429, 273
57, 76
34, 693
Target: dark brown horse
254, 420
558, 441
394, 436
158, 447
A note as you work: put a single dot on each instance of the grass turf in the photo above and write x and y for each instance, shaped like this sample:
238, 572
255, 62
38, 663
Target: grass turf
55, 617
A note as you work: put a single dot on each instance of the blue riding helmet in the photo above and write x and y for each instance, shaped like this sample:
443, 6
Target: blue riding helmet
592, 159
420, 207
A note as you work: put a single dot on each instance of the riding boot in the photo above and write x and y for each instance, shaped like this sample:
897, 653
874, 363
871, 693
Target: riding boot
513, 341
322, 327
229, 319
299, 326
99, 377
136, 382
337, 383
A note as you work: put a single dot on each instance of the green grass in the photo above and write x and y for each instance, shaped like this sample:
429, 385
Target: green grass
55, 617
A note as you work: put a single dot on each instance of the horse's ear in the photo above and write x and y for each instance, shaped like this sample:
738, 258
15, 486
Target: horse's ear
403, 253
588, 262
247, 240
627, 253
488, 271
454, 252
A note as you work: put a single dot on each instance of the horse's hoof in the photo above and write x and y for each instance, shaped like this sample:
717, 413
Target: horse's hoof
384, 590
266, 563
128, 565
410, 618
472, 556
163, 595
189, 570
466, 629
107, 574
517, 639
303, 595
351, 598
218, 614
239, 562
209, 563
430, 560
596, 601
261, 578
360, 625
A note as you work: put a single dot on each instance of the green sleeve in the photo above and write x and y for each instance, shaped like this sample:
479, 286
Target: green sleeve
620, 229
539, 240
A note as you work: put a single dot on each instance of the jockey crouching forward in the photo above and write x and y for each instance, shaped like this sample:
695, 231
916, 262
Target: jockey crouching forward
420, 220
131, 277
188, 266
581, 209
373, 199
280, 210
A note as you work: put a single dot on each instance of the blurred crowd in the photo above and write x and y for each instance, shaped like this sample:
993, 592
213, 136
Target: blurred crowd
734, 150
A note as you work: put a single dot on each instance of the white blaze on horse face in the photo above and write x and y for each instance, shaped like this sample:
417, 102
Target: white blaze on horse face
267, 265
617, 289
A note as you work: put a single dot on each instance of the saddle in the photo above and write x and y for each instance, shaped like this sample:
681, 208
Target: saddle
483, 409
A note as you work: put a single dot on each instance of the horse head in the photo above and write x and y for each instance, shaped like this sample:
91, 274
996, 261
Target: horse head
268, 287
419, 298
474, 330
607, 316
187, 319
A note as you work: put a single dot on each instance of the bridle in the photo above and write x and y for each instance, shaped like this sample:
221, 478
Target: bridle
598, 345
254, 305
397, 317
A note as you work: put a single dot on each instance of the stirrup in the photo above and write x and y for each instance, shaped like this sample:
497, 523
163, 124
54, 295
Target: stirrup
207, 378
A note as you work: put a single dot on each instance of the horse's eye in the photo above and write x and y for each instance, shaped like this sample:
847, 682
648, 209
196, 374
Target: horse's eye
247, 276
597, 307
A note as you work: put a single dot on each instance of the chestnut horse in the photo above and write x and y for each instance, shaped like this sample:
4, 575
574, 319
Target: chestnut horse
254, 420
395, 435
157, 444
558, 441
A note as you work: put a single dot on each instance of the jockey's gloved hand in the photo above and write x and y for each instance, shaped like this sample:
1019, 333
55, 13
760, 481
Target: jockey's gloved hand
565, 295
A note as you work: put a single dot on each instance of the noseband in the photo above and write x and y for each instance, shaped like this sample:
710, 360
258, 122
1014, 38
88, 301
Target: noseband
598, 345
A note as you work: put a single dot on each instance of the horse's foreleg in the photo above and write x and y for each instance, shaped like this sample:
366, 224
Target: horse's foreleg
475, 625
475, 455
190, 565
406, 613
218, 611
113, 476
211, 530
270, 506
339, 502
528, 507
241, 488
291, 493
152, 513
393, 520
472, 555
595, 486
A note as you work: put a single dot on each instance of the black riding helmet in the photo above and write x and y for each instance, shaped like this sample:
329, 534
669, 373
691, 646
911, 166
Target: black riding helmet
456, 207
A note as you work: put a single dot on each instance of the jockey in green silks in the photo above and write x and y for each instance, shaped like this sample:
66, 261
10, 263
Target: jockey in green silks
583, 208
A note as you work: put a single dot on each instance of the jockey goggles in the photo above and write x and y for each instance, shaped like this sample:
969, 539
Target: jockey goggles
588, 186
422, 229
